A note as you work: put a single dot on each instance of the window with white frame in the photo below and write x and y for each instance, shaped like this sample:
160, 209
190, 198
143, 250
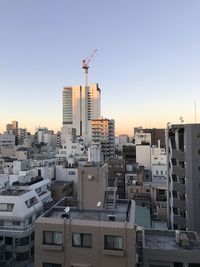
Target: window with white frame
82, 240
52, 238
113, 242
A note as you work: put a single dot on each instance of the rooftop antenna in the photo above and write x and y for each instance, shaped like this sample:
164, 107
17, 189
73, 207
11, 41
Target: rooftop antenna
181, 119
195, 112
85, 65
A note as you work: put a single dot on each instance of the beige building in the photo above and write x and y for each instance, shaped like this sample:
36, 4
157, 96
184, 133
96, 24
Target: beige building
86, 237
99, 231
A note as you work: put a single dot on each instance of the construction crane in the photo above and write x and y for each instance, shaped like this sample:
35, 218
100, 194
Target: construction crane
85, 65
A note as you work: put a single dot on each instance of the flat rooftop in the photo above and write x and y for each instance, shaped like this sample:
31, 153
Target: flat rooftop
166, 240
120, 213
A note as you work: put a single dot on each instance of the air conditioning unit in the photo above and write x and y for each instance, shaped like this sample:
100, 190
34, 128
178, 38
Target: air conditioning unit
90, 177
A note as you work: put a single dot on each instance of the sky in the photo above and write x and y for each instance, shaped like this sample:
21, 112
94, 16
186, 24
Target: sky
147, 64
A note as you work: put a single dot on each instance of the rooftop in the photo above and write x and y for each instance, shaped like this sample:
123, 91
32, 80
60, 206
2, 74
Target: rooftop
119, 214
171, 240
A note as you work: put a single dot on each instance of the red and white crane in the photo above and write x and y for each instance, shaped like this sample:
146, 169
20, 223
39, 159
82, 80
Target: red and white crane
85, 65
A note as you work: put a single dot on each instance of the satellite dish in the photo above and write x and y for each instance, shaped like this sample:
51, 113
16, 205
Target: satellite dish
67, 209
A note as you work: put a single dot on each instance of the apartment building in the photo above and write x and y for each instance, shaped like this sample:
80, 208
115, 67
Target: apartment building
7, 141
183, 153
86, 237
19, 208
103, 133
96, 229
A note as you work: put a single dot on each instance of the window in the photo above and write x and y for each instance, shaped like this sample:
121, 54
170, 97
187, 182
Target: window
30, 220
113, 242
45, 264
175, 211
71, 173
174, 162
16, 223
174, 178
52, 238
174, 193
178, 264
6, 207
82, 240
31, 202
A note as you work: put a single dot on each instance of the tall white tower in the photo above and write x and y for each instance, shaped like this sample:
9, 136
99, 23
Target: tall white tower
81, 104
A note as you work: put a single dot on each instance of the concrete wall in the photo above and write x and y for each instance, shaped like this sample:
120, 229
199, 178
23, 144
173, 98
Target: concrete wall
92, 182
97, 256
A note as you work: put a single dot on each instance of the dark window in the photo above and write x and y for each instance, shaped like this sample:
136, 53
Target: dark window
175, 226
52, 238
22, 256
8, 255
178, 264
45, 264
174, 178
175, 211
174, 193
32, 236
194, 265
113, 242
174, 162
8, 240
82, 240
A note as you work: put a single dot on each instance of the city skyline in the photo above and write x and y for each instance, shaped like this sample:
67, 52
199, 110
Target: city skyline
146, 65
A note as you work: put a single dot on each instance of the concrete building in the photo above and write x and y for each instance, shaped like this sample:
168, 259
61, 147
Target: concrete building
40, 134
7, 141
129, 154
87, 237
116, 175
169, 248
156, 135
12, 128
21, 136
103, 133
68, 135
18, 210
97, 225
183, 152
142, 138
58, 139
81, 104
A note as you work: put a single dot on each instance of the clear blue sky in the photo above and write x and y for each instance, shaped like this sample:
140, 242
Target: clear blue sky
147, 65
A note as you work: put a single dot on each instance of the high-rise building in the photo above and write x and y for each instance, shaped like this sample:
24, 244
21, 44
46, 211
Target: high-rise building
183, 154
13, 129
103, 133
81, 104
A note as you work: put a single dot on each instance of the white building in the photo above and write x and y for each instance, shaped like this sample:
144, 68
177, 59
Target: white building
142, 138
18, 211
67, 174
158, 164
81, 104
